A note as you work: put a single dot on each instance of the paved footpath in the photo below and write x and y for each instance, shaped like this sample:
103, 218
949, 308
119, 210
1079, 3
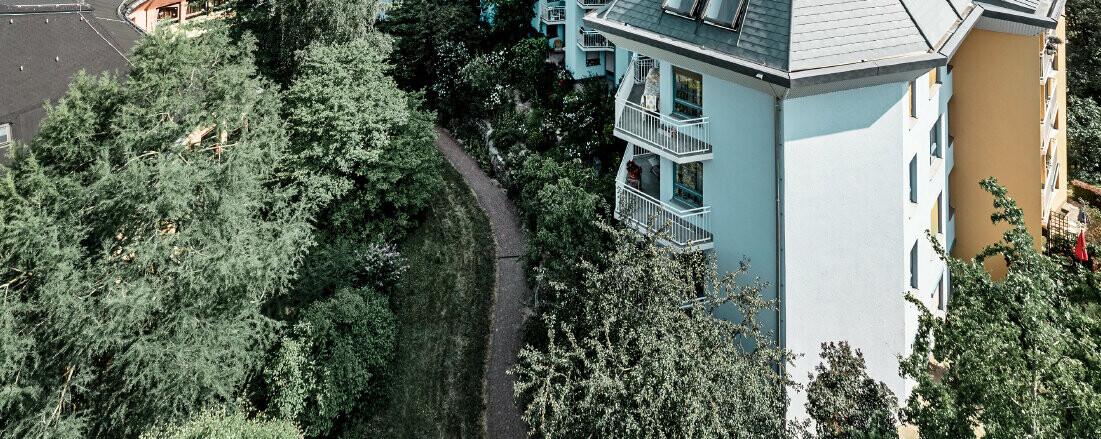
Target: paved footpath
502, 417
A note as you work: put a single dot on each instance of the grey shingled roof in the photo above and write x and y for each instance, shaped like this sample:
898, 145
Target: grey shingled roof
44, 49
796, 35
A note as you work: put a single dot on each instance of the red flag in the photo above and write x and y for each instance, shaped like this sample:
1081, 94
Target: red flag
1080, 249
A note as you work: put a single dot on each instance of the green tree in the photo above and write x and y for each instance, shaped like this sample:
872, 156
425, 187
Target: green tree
1084, 138
434, 40
844, 402
361, 141
1083, 60
1021, 354
135, 256
285, 27
632, 361
333, 360
223, 425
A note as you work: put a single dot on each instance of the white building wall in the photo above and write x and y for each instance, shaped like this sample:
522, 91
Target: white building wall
849, 226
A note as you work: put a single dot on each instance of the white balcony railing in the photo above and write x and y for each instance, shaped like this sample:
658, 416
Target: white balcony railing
682, 228
1050, 113
675, 138
591, 4
1048, 67
553, 14
641, 67
593, 40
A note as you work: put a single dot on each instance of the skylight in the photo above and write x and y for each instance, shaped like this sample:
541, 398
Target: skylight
725, 13
686, 8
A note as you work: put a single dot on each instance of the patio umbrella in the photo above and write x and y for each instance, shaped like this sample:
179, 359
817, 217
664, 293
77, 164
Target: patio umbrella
1080, 249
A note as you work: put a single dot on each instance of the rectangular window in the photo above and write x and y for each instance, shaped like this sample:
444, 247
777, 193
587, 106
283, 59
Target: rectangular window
592, 59
913, 179
5, 134
914, 265
687, 93
195, 7
934, 142
170, 12
939, 295
686, 8
911, 99
688, 186
934, 217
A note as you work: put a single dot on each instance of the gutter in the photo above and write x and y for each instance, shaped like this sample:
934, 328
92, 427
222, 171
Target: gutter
128, 5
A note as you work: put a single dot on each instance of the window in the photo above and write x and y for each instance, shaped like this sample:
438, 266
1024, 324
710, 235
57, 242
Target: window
913, 179
170, 12
725, 13
688, 186
592, 59
5, 134
935, 224
934, 142
686, 8
914, 266
940, 296
911, 100
687, 93
195, 7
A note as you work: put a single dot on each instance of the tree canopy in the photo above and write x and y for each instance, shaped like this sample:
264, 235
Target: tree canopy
643, 356
139, 237
1020, 355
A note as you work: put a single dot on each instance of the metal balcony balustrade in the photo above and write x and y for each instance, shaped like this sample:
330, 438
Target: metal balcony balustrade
553, 14
590, 40
681, 228
679, 139
591, 4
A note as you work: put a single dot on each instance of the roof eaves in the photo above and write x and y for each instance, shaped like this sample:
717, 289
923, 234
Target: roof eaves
1000, 13
865, 69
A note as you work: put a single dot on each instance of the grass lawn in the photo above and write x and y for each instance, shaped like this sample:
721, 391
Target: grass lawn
442, 307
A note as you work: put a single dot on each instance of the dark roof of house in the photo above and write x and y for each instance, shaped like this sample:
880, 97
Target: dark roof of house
46, 44
783, 39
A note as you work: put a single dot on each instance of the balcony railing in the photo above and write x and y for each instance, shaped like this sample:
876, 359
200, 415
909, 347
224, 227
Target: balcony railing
553, 14
682, 228
591, 4
1051, 111
680, 140
1048, 67
593, 40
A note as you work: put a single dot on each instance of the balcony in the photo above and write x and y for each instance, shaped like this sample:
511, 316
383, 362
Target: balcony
553, 14
591, 4
591, 41
637, 204
1048, 67
638, 120
1051, 112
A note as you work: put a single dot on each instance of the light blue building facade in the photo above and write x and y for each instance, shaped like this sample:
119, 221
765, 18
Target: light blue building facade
585, 53
809, 140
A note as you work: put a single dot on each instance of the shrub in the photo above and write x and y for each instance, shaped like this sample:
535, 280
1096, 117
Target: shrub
333, 360
223, 425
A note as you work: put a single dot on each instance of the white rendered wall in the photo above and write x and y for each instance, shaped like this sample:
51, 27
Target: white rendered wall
849, 225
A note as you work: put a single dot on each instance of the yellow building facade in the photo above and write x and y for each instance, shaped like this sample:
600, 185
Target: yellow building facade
1006, 118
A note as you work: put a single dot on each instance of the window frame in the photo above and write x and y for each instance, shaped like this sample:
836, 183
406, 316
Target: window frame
6, 129
936, 147
677, 100
913, 179
914, 265
678, 186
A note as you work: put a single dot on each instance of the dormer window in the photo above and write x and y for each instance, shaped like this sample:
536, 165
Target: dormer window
725, 13
685, 8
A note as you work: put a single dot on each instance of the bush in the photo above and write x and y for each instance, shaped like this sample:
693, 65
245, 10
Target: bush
222, 425
333, 360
